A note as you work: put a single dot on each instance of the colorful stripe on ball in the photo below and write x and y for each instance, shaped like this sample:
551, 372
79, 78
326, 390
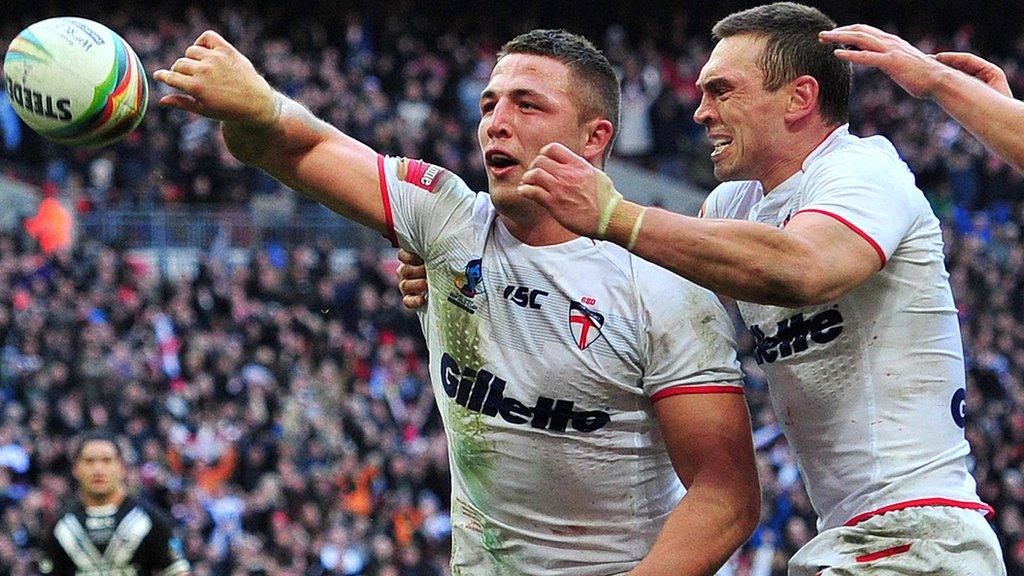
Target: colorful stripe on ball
117, 106
26, 46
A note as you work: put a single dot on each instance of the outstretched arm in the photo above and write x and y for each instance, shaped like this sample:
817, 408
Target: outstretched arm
813, 260
708, 440
971, 89
265, 129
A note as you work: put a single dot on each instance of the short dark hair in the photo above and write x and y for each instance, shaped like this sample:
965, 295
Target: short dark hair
98, 436
792, 50
586, 63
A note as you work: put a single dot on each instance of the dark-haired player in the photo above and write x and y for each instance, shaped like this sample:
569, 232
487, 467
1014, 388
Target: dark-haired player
835, 258
578, 384
106, 531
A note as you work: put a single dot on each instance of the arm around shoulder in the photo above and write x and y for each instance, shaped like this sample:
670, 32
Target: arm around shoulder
803, 264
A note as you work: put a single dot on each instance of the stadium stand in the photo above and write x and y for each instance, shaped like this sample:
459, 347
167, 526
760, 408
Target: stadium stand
276, 402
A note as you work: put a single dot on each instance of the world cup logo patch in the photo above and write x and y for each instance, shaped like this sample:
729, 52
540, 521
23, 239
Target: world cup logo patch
471, 282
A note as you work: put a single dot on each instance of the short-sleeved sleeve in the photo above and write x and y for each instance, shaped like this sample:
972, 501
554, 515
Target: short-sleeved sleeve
689, 342
869, 191
422, 202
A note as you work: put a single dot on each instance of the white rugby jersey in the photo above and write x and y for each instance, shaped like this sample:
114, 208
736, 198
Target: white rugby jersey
869, 389
545, 362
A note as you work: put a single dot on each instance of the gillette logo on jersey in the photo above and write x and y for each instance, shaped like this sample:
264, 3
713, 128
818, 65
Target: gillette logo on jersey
795, 335
484, 393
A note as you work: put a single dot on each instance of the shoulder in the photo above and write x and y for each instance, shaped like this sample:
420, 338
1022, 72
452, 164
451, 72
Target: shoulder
72, 508
157, 515
868, 160
667, 293
425, 203
413, 174
424, 175
728, 199
864, 172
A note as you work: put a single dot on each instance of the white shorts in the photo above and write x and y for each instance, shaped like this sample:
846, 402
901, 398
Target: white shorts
932, 540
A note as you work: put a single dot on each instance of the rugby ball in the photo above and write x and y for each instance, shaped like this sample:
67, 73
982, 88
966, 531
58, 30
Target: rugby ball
76, 82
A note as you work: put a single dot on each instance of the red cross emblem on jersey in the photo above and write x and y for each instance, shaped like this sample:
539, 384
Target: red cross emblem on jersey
585, 324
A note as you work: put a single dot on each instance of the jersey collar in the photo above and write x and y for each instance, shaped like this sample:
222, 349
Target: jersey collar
840, 132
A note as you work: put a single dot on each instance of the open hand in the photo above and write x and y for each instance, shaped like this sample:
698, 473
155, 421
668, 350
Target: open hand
918, 73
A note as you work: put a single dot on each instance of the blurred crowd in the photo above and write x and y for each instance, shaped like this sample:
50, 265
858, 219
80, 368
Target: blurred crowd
280, 410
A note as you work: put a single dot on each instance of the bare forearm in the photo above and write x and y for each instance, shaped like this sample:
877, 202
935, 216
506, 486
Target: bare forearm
314, 158
743, 260
293, 131
264, 129
996, 120
710, 523
697, 539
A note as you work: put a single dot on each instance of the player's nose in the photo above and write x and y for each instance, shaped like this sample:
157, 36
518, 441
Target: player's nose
705, 112
501, 120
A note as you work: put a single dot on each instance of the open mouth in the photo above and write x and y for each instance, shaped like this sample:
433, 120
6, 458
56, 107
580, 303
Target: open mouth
720, 144
499, 160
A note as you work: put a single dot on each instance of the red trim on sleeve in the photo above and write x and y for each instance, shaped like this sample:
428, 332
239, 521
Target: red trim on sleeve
709, 389
851, 226
883, 553
389, 218
990, 513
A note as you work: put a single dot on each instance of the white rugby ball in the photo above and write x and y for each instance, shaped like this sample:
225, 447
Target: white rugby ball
75, 82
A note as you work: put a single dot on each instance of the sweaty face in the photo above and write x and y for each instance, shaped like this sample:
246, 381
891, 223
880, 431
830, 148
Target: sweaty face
528, 103
99, 470
744, 121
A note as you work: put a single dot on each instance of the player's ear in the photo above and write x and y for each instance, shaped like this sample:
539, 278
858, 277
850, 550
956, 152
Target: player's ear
803, 98
599, 133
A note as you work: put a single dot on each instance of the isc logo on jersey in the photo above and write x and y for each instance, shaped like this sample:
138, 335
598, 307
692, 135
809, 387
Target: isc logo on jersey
484, 393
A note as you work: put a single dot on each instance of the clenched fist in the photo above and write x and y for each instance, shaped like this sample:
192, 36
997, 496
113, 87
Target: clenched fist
412, 280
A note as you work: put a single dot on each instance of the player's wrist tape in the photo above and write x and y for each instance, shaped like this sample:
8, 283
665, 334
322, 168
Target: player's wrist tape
636, 228
277, 109
608, 199
620, 220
